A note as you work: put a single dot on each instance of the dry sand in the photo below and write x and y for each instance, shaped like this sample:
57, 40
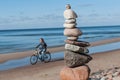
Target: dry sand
50, 71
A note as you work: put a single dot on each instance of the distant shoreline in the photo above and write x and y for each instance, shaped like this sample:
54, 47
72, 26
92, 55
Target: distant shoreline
59, 27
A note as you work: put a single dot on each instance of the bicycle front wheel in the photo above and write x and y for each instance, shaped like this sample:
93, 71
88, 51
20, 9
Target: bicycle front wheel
33, 59
47, 57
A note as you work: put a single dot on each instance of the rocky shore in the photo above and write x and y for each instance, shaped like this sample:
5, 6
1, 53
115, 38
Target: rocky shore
109, 74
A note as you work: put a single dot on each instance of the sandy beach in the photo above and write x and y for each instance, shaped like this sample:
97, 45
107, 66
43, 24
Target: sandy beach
50, 71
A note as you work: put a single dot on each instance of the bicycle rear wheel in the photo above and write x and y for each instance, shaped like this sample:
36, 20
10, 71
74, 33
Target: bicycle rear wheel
47, 57
33, 59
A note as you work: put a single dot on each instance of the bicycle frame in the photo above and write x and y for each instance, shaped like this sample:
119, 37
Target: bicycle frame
44, 57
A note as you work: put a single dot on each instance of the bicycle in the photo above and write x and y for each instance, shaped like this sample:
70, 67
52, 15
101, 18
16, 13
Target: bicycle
43, 57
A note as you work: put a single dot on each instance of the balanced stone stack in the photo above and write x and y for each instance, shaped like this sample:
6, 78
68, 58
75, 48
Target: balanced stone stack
75, 50
75, 54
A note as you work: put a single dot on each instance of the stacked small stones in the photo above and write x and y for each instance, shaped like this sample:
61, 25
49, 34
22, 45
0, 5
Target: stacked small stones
75, 50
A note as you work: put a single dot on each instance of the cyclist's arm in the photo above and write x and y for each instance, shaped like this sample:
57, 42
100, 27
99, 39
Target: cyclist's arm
38, 46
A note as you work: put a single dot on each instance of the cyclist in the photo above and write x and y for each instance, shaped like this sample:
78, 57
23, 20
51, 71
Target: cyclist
42, 46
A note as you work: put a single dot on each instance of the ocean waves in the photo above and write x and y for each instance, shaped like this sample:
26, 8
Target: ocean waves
61, 34
27, 39
41, 34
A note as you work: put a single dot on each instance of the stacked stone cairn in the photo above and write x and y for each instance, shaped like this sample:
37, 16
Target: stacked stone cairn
75, 51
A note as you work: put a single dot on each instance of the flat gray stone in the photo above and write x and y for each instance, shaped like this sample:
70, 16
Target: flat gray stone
75, 48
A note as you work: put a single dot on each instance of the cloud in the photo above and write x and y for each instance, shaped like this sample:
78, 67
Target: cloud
94, 15
99, 19
13, 19
46, 20
52, 17
86, 5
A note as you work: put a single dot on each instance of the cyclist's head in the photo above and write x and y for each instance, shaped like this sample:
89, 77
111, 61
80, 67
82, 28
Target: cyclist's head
41, 40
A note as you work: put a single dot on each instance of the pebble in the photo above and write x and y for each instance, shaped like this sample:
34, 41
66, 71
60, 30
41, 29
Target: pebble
116, 78
103, 78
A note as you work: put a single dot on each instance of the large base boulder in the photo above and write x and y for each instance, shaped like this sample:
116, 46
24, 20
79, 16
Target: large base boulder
78, 73
73, 59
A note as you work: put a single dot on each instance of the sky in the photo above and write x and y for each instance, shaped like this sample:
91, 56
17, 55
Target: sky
25, 14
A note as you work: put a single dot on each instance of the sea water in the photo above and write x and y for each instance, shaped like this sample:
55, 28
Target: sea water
57, 56
18, 40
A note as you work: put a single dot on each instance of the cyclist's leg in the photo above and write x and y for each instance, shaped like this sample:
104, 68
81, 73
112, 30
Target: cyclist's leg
40, 51
43, 51
42, 54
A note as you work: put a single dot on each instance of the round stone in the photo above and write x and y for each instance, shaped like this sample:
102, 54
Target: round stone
70, 25
69, 14
72, 32
70, 21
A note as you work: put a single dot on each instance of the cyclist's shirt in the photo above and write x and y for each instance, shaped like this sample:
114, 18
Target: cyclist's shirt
42, 47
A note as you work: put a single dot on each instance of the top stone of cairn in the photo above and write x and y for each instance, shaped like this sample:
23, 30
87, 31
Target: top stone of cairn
68, 13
